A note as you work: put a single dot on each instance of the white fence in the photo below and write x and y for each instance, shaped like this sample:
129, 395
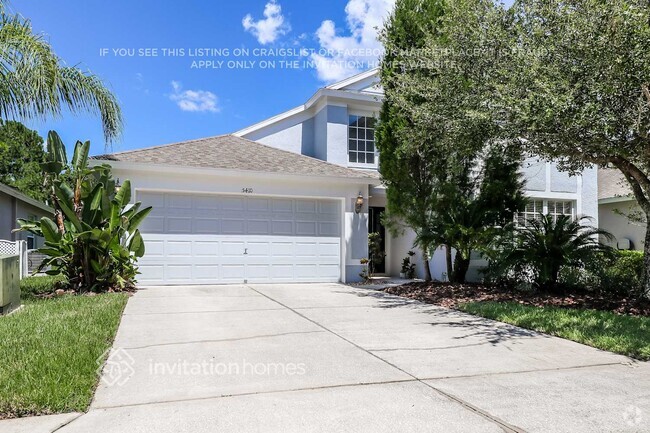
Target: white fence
16, 248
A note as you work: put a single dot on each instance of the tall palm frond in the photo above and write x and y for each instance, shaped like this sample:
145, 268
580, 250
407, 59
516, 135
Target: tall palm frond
35, 83
551, 242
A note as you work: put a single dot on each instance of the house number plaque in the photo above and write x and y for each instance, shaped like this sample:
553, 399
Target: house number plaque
247, 190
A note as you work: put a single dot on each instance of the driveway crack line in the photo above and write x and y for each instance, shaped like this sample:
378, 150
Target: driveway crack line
68, 422
224, 340
502, 373
245, 394
202, 312
506, 427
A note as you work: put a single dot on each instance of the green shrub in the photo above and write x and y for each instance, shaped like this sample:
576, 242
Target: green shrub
620, 273
573, 277
41, 285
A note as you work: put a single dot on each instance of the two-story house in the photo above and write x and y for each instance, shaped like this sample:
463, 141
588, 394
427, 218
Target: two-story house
292, 198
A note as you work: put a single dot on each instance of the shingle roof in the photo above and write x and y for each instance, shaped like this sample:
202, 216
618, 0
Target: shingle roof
236, 153
611, 183
6, 189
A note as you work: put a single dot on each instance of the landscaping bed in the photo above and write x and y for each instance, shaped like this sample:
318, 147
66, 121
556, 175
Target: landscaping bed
49, 351
605, 322
452, 295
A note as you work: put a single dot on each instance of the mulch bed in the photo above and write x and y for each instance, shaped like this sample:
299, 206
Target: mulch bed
451, 295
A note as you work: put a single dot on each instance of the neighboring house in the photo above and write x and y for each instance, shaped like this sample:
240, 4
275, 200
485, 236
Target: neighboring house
16, 205
618, 211
292, 198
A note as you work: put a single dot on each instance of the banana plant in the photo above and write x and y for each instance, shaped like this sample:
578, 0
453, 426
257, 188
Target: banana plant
93, 237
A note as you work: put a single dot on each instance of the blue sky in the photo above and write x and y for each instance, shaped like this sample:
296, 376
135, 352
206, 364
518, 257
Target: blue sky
169, 98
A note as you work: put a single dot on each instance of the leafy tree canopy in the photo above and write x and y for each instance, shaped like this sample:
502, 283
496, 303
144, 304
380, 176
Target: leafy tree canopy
577, 87
21, 155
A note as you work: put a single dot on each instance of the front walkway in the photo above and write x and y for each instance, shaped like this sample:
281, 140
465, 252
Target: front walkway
331, 358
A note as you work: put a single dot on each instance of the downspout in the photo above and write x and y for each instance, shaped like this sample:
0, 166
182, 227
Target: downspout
14, 216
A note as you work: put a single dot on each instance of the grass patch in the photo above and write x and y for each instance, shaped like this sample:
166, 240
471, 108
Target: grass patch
626, 335
33, 287
48, 352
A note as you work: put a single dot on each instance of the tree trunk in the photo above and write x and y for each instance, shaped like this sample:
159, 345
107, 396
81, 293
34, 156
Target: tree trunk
646, 261
461, 266
427, 270
450, 266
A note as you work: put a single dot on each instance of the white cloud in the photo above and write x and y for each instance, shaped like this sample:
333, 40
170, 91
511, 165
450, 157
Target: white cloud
269, 29
194, 100
342, 56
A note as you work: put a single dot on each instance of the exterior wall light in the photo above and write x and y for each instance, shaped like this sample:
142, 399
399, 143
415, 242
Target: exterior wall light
118, 186
358, 205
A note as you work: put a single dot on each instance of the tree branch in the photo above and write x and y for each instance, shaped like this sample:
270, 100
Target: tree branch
632, 170
638, 192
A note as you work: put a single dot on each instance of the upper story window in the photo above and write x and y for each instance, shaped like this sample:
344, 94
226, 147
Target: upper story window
361, 140
564, 207
537, 207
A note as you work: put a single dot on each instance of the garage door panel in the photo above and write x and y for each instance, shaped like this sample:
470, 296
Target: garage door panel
258, 205
282, 206
304, 228
155, 248
177, 272
330, 249
258, 249
206, 272
233, 248
178, 225
328, 207
233, 226
328, 271
206, 249
306, 206
258, 227
153, 224
204, 238
233, 204
209, 226
232, 272
328, 229
279, 228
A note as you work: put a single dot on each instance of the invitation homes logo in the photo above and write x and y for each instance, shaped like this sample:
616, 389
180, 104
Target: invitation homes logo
119, 368
215, 368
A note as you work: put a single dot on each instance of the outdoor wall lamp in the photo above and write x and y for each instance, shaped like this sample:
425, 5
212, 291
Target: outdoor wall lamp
358, 205
117, 185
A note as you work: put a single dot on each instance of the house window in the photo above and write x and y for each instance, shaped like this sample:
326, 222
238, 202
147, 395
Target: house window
557, 208
536, 208
533, 211
361, 140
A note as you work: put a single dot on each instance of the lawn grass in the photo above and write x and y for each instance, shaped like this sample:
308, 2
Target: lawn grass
48, 352
627, 335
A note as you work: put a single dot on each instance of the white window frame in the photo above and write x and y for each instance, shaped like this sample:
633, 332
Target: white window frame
374, 164
522, 218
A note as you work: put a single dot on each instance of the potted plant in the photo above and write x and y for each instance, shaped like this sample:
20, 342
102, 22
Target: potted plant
365, 274
408, 268
406, 263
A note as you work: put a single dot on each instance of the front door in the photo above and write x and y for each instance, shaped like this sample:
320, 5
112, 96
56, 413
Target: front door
375, 226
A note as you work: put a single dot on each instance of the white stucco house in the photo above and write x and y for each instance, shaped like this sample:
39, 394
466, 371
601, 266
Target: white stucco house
291, 198
618, 211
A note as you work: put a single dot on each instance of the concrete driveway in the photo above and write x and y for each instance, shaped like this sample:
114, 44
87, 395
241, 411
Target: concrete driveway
331, 358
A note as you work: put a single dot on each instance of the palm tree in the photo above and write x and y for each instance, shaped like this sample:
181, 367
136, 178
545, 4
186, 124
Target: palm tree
35, 83
550, 243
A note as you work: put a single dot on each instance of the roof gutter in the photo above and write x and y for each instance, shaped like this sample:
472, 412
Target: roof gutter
321, 93
26, 199
178, 169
